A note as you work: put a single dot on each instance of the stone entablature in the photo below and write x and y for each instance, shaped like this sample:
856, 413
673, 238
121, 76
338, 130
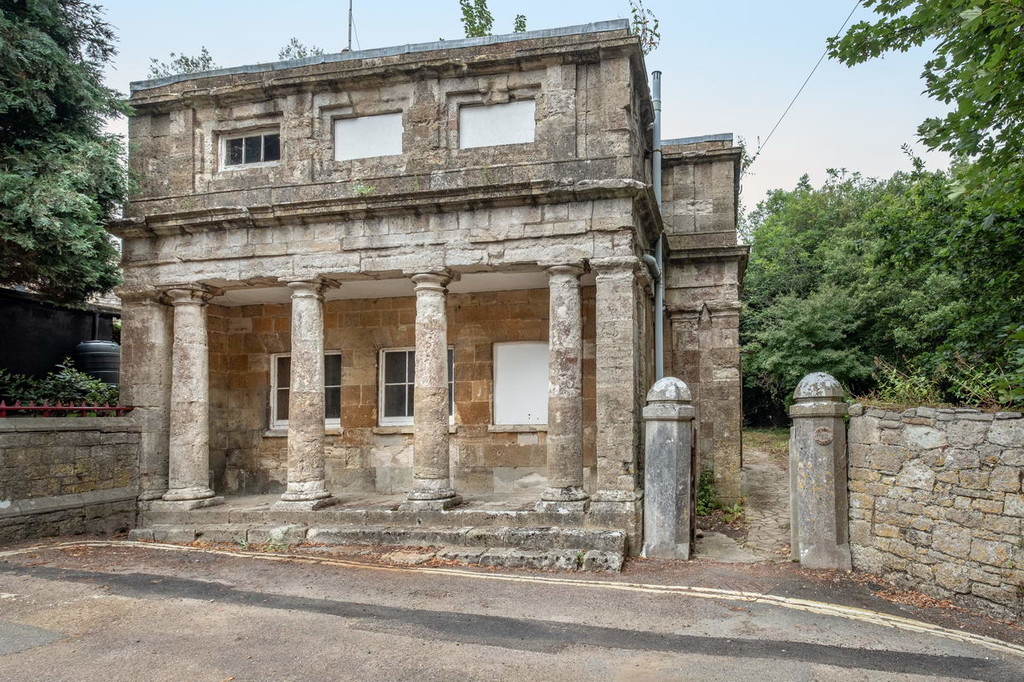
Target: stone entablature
936, 502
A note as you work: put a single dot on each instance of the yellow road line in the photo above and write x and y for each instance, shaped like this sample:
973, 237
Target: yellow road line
807, 605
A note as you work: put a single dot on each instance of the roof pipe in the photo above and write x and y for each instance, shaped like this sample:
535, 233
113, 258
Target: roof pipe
659, 247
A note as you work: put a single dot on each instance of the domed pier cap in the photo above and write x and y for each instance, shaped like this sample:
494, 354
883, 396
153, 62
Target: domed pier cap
816, 386
669, 389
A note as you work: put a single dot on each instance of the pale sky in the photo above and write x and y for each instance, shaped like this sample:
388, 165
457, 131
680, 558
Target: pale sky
729, 66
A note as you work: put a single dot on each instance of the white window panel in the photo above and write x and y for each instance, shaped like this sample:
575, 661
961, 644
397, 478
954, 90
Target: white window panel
366, 136
521, 383
494, 124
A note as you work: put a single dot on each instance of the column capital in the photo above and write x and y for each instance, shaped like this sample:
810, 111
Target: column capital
437, 280
616, 265
309, 287
140, 295
565, 269
189, 294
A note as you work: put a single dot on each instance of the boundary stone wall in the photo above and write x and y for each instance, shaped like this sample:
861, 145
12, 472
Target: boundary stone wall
936, 503
67, 475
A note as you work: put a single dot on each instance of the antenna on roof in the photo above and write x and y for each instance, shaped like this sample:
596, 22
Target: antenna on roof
349, 48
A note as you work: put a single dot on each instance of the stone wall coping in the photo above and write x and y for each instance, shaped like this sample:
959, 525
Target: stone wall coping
43, 505
50, 424
936, 413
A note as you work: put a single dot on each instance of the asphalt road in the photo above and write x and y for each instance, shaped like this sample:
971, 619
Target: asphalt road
131, 612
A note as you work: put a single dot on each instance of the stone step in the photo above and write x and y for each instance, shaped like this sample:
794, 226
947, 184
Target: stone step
546, 548
349, 516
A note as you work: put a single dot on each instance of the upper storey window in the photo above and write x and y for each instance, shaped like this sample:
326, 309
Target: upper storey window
252, 148
366, 136
494, 124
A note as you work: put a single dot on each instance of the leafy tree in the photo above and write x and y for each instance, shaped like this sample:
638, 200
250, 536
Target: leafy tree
476, 18
977, 68
895, 270
183, 63
296, 50
61, 177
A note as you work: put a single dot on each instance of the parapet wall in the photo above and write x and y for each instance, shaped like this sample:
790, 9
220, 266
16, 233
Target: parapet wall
67, 475
936, 502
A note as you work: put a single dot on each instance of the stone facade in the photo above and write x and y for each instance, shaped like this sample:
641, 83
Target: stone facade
936, 502
63, 476
701, 186
442, 244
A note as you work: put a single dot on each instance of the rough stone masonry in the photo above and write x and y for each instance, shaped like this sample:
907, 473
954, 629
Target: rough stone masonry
936, 502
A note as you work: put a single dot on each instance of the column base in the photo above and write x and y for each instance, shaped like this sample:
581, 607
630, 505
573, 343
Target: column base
303, 505
185, 494
571, 498
431, 505
305, 491
184, 505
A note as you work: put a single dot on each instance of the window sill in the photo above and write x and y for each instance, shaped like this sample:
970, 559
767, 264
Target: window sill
408, 429
283, 433
517, 428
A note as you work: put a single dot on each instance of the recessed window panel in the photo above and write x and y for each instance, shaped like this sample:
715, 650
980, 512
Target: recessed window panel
495, 124
367, 136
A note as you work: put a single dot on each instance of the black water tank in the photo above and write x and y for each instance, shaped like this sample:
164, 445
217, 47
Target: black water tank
101, 359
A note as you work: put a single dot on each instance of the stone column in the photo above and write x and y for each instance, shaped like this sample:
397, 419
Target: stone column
619, 369
565, 393
146, 382
669, 522
307, 487
189, 442
432, 484
819, 509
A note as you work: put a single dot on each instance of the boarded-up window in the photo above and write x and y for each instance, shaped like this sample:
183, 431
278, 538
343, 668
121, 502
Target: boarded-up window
494, 124
366, 136
521, 383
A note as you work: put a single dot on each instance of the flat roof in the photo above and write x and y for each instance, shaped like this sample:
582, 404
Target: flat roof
718, 137
595, 27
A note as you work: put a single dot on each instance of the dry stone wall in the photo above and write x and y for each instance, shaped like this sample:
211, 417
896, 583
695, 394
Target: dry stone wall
64, 476
936, 502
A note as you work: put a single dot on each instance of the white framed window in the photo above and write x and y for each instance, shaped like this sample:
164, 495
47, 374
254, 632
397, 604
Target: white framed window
366, 136
521, 383
397, 386
280, 385
493, 124
250, 149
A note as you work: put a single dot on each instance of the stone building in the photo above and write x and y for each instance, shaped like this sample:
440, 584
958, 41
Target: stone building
320, 248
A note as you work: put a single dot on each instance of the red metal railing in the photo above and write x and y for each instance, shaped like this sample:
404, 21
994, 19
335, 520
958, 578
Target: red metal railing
44, 409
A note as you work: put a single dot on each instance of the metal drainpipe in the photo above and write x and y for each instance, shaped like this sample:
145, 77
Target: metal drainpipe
659, 248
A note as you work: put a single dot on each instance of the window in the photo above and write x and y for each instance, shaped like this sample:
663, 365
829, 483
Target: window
252, 149
493, 124
521, 383
366, 136
398, 385
280, 379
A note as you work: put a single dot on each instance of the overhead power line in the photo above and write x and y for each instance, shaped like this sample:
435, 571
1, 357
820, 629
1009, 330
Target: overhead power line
824, 54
